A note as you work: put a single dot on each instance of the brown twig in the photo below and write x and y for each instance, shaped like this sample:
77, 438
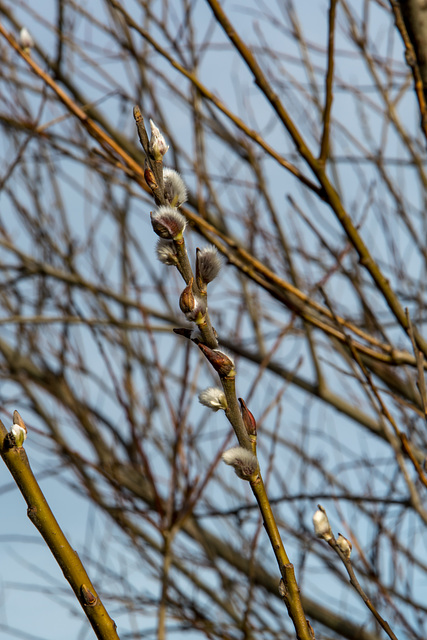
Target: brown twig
411, 60
357, 587
420, 360
329, 79
329, 193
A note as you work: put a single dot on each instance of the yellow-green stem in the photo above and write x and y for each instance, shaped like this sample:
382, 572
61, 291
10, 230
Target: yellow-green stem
291, 593
43, 519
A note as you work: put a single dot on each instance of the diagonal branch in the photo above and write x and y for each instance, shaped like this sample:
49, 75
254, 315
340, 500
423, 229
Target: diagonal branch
329, 193
43, 519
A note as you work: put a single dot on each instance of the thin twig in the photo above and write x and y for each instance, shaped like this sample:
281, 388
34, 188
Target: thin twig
329, 193
324, 145
356, 585
419, 357
411, 60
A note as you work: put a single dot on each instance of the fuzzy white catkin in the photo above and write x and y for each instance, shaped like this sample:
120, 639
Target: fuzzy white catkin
243, 461
345, 545
322, 528
25, 39
165, 251
174, 187
158, 146
167, 222
209, 263
214, 398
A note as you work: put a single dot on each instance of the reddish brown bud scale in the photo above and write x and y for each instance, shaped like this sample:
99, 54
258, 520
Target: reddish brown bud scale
183, 331
220, 361
18, 420
194, 306
248, 418
187, 301
188, 333
150, 179
89, 599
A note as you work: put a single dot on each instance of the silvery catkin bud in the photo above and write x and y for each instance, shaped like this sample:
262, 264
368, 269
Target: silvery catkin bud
208, 265
214, 398
158, 146
175, 190
166, 253
26, 40
243, 461
322, 528
168, 223
345, 545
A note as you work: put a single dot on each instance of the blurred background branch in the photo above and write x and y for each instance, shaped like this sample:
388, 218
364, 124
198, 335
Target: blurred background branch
306, 168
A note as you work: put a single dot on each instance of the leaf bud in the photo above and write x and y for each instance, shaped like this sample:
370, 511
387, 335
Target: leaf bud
150, 178
183, 331
89, 599
187, 300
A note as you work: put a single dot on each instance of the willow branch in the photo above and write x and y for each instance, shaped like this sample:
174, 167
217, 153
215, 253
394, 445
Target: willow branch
43, 519
329, 193
324, 145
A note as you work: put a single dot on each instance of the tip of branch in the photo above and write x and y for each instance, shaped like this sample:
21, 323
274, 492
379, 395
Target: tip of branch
137, 114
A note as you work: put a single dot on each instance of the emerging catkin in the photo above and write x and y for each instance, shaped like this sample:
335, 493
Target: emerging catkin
214, 398
175, 190
243, 461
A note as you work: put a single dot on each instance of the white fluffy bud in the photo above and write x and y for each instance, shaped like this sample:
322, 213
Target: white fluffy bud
345, 545
243, 461
158, 146
322, 528
208, 264
175, 189
166, 252
25, 39
214, 398
168, 223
